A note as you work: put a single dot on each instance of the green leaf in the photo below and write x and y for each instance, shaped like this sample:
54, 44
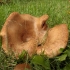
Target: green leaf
62, 57
61, 50
67, 52
37, 59
41, 60
47, 64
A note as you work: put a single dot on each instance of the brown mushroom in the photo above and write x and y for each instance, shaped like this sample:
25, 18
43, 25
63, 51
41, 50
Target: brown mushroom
23, 32
57, 38
22, 67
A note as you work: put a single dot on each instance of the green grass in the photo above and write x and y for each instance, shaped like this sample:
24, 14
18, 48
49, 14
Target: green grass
58, 11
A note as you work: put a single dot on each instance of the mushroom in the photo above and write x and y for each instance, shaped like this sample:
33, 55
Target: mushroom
22, 66
57, 38
23, 32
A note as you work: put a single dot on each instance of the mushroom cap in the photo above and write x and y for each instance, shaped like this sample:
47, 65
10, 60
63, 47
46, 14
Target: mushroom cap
21, 32
57, 38
22, 66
